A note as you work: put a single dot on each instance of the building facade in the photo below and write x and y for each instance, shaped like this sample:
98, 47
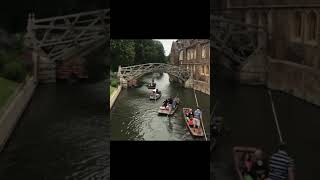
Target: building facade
293, 42
193, 55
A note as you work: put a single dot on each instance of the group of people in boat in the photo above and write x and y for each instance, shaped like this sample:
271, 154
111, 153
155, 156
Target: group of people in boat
156, 91
194, 118
280, 166
152, 84
170, 103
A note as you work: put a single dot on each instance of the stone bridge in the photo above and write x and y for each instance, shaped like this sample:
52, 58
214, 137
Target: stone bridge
65, 37
129, 74
241, 48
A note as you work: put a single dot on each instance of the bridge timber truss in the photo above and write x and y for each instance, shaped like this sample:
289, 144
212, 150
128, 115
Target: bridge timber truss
235, 40
62, 37
134, 72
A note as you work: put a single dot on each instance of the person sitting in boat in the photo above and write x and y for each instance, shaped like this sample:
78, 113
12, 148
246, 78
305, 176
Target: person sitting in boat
196, 124
155, 91
174, 104
170, 100
190, 114
165, 102
259, 167
247, 166
169, 107
190, 122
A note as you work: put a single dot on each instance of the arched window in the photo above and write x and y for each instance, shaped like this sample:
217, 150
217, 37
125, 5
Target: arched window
188, 54
203, 52
311, 26
254, 18
181, 55
264, 19
297, 25
207, 70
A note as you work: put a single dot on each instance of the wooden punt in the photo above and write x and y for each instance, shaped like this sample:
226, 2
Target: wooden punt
193, 131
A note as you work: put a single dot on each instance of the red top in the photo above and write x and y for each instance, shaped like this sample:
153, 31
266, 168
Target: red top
190, 122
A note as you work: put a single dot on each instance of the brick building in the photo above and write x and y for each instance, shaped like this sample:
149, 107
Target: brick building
194, 55
293, 41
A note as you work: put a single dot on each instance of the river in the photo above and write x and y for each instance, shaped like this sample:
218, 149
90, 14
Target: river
63, 134
135, 117
248, 115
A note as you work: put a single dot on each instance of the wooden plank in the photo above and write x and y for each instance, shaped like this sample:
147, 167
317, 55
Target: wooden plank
91, 13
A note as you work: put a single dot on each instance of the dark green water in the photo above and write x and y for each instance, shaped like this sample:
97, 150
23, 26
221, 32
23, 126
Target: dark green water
248, 114
63, 134
135, 117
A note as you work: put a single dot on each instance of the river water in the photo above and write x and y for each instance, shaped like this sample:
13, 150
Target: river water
63, 134
247, 113
135, 117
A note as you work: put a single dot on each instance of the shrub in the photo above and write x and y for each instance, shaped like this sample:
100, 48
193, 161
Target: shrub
14, 71
114, 83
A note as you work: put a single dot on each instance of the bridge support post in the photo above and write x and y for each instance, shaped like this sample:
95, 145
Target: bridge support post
189, 83
35, 57
46, 69
123, 82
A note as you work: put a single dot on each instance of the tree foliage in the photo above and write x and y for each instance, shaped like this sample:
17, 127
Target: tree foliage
131, 52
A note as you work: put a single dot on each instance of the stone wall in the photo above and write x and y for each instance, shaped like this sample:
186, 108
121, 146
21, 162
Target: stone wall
12, 111
46, 70
201, 86
115, 95
293, 63
298, 80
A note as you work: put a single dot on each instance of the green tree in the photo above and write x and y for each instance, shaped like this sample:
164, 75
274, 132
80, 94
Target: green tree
122, 53
130, 52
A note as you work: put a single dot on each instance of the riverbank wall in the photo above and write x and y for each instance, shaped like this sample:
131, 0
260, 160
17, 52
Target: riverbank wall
14, 108
114, 96
299, 80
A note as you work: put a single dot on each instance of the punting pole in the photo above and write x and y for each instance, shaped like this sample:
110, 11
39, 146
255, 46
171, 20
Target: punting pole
275, 117
204, 131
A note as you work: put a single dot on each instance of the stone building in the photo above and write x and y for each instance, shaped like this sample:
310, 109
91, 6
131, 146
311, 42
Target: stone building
292, 41
194, 55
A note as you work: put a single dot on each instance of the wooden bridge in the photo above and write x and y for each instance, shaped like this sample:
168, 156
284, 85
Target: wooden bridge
65, 37
236, 40
129, 73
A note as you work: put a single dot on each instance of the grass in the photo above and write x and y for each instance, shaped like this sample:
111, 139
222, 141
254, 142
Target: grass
112, 89
7, 87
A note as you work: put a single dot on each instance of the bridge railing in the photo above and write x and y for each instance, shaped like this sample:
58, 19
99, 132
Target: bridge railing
136, 71
62, 36
236, 40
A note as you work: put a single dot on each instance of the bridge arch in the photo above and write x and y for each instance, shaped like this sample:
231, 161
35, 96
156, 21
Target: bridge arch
130, 73
65, 38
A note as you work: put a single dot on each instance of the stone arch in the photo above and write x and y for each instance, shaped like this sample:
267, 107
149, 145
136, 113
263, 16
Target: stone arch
311, 26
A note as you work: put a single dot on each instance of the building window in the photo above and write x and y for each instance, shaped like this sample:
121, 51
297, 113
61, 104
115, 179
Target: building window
195, 53
311, 26
191, 53
181, 55
202, 70
188, 55
297, 25
203, 52
207, 70
264, 19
